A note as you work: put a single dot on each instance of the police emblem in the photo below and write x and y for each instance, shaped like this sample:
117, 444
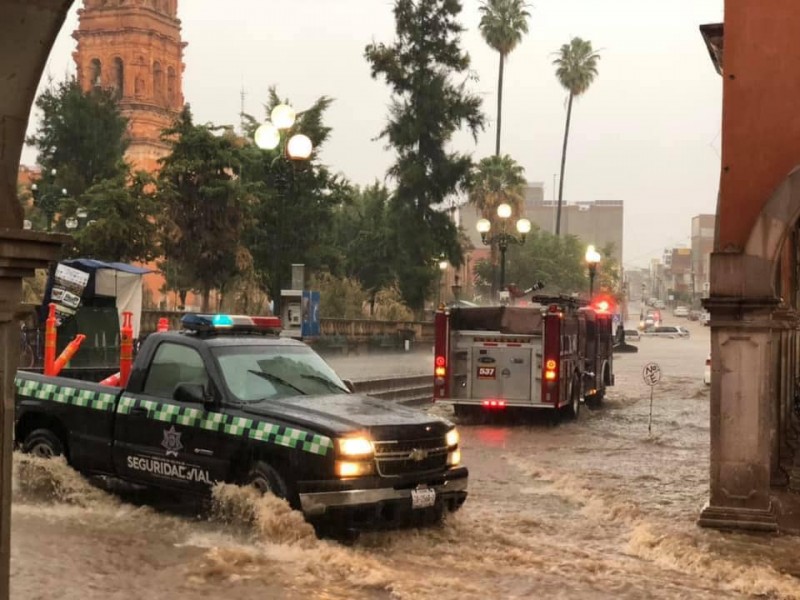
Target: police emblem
172, 441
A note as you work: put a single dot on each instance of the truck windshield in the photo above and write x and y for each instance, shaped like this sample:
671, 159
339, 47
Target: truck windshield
256, 373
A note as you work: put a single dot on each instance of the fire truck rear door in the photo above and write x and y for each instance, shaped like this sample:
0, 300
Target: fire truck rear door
502, 372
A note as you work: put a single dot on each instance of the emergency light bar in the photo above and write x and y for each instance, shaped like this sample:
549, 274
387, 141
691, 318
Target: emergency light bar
234, 323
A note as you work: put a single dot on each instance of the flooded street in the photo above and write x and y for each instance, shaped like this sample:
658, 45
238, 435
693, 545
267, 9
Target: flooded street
591, 509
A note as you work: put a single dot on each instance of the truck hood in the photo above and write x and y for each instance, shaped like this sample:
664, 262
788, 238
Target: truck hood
346, 413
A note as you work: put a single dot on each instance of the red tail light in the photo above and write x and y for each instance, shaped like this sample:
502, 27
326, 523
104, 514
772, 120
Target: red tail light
494, 403
552, 355
441, 387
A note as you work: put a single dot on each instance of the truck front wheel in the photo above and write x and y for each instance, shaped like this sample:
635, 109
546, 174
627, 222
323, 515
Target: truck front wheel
43, 443
267, 480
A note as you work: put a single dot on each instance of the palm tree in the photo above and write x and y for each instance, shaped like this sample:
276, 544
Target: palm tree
503, 23
576, 69
497, 180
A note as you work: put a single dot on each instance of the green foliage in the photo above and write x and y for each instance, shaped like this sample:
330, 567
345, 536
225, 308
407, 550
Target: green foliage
81, 135
389, 305
576, 66
340, 297
203, 215
120, 226
503, 23
557, 261
292, 202
428, 107
363, 232
497, 180
609, 273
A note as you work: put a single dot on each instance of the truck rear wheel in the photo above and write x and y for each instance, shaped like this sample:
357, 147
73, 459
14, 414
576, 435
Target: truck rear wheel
574, 407
43, 443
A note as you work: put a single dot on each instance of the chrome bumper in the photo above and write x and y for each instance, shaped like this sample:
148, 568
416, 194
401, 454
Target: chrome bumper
317, 503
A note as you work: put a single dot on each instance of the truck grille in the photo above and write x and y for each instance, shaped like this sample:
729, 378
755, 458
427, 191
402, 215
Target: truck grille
406, 457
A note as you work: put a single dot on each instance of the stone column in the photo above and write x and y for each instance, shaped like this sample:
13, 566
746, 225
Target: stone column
28, 29
742, 426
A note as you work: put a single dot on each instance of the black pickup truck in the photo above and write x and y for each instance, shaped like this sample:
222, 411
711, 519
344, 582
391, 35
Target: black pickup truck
225, 400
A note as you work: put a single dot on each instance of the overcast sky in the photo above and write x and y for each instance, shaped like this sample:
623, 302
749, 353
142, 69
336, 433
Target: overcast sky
647, 132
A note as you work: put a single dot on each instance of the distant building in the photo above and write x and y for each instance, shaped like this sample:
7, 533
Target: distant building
679, 274
134, 47
702, 246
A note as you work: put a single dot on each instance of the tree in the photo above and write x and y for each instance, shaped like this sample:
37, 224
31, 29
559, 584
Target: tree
203, 216
556, 261
364, 234
576, 68
120, 225
81, 135
503, 23
428, 107
497, 180
292, 202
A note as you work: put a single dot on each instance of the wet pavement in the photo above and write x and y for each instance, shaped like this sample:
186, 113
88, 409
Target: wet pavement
597, 508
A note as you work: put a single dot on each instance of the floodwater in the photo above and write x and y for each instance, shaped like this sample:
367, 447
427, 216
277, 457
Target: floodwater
597, 508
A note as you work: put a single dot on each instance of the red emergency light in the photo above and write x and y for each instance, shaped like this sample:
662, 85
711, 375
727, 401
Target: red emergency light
603, 304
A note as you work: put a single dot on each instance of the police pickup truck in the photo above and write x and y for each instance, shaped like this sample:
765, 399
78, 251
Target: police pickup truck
227, 400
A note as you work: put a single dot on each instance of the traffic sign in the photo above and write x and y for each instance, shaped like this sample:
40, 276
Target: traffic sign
651, 373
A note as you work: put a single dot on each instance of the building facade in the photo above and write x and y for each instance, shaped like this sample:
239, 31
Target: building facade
134, 48
702, 246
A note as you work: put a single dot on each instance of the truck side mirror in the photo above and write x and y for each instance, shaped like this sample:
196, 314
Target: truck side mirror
191, 393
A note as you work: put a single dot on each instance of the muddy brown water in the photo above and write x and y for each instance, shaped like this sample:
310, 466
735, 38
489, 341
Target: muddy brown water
591, 509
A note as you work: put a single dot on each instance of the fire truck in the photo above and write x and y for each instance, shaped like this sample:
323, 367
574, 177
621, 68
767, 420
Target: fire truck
554, 353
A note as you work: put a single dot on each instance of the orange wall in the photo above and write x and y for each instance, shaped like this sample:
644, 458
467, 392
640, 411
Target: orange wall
761, 110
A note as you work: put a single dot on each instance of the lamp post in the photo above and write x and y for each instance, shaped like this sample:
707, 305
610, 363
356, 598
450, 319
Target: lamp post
276, 134
503, 237
47, 197
592, 258
442, 268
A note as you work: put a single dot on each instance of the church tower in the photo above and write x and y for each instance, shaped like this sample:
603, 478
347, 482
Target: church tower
134, 47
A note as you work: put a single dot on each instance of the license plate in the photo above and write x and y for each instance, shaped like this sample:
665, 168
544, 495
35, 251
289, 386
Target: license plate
487, 372
423, 498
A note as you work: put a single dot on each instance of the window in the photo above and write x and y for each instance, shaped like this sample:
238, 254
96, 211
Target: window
96, 75
174, 364
119, 78
255, 373
171, 81
158, 80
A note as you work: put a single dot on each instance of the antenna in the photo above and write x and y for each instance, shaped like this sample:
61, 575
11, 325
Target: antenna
241, 111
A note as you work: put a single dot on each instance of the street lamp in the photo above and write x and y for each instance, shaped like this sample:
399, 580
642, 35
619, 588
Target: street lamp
592, 258
503, 238
47, 197
272, 135
442, 268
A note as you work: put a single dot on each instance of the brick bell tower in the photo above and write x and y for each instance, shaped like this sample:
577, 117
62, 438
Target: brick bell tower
134, 47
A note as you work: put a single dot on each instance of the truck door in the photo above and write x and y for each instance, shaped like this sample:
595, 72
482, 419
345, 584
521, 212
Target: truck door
162, 441
502, 372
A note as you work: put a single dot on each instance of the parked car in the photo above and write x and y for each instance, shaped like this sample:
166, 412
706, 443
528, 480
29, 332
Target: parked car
680, 311
632, 335
707, 371
668, 331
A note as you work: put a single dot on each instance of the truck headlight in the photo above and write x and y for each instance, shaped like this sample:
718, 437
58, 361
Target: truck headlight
347, 468
452, 438
355, 447
454, 458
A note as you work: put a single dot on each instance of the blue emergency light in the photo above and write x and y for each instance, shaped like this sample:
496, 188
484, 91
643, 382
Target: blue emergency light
221, 323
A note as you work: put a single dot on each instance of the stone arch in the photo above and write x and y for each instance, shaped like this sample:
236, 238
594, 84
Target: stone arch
773, 227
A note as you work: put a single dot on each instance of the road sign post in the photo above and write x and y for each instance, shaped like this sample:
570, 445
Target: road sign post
651, 374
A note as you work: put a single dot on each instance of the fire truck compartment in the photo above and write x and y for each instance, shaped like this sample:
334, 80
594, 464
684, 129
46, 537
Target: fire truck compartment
496, 366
